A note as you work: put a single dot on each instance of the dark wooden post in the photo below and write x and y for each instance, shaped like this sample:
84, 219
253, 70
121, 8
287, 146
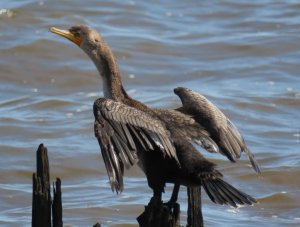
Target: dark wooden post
158, 215
57, 204
195, 218
41, 198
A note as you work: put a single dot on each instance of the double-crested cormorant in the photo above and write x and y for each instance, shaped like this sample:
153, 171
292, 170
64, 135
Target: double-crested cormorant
159, 140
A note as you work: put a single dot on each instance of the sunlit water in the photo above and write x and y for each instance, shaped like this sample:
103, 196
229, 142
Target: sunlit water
242, 55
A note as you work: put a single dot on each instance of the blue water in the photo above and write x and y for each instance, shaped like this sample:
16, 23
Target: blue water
242, 55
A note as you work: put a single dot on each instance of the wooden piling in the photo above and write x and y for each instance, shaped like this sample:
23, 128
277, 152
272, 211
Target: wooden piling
158, 215
41, 198
57, 204
195, 218
42, 204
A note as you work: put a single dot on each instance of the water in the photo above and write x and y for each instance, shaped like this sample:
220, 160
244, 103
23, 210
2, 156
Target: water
242, 55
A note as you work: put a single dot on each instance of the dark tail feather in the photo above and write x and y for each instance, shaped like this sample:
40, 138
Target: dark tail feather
221, 192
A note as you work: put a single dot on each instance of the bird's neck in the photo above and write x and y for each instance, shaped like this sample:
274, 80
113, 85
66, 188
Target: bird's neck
112, 82
109, 71
113, 87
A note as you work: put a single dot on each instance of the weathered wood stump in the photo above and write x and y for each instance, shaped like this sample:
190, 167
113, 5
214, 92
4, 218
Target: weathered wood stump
158, 215
41, 198
195, 218
57, 204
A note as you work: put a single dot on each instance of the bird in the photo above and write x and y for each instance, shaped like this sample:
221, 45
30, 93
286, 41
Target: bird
160, 141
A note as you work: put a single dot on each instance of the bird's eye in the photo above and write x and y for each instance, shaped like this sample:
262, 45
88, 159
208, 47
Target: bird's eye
76, 33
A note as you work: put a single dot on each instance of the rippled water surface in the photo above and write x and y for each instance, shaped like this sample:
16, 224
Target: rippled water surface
243, 55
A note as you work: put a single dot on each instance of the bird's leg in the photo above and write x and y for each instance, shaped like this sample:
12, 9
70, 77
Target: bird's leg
170, 204
157, 194
175, 192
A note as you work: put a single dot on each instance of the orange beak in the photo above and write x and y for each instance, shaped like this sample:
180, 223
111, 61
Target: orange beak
66, 34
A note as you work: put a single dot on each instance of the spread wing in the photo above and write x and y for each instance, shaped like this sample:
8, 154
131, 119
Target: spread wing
221, 129
184, 126
122, 132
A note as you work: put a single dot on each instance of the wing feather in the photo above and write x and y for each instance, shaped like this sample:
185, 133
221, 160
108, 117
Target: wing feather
222, 131
120, 129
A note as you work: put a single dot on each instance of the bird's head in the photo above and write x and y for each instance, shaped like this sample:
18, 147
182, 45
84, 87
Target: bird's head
89, 40
92, 43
